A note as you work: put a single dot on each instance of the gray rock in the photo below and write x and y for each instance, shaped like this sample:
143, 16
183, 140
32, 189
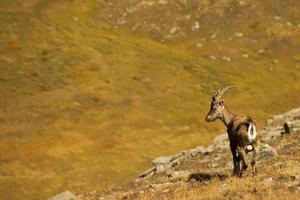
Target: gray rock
226, 58
278, 117
162, 160
64, 196
229, 164
275, 61
173, 30
239, 34
162, 1
156, 186
268, 181
197, 150
195, 26
271, 132
161, 168
291, 184
245, 55
199, 45
150, 172
212, 57
205, 161
270, 121
163, 163
267, 152
294, 113
179, 175
220, 138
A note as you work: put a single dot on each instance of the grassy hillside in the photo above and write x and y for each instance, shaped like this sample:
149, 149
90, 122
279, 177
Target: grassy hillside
87, 100
209, 176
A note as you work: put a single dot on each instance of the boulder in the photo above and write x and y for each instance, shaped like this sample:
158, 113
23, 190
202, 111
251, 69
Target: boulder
197, 150
66, 195
184, 175
150, 172
163, 160
268, 181
220, 138
267, 152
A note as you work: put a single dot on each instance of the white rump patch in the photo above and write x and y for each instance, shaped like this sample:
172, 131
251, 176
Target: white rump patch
249, 147
251, 132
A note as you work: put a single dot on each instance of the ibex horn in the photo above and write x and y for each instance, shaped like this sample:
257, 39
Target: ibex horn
219, 94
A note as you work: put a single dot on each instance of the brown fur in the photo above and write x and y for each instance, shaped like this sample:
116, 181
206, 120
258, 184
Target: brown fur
237, 129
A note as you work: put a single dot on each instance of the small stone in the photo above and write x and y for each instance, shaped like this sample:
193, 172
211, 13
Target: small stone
201, 150
213, 36
179, 175
173, 30
188, 16
195, 26
162, 160
214, 165
289, 23
239, 34
270, 121
75, 18
268, 180
244, 55
64, 196
121, 21
131, 9
220, 138
277, 18
226, 58
199, 45
163, 2
243, 3
150, 172
275, 61
150, 3
261, 51
166, 191
212, 57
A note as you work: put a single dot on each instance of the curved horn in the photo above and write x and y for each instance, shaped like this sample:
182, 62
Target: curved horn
219, 94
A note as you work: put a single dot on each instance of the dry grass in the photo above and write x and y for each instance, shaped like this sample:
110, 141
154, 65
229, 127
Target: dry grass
283, 170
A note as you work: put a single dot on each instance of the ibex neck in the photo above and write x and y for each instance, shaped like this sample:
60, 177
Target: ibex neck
228, 116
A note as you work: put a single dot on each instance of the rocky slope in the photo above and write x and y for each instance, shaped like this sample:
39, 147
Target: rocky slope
205, 172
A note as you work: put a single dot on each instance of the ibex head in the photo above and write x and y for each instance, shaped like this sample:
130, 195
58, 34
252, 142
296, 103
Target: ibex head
217, 105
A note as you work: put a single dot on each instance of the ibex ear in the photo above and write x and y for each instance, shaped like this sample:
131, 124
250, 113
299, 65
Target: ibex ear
213, 98
221, 103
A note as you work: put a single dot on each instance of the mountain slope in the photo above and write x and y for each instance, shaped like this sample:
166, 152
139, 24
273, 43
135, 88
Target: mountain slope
79, 94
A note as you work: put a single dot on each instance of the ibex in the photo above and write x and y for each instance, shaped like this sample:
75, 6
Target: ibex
241, 130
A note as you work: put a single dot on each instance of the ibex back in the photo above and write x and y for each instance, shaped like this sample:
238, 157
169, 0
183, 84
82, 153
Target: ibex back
241, 130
